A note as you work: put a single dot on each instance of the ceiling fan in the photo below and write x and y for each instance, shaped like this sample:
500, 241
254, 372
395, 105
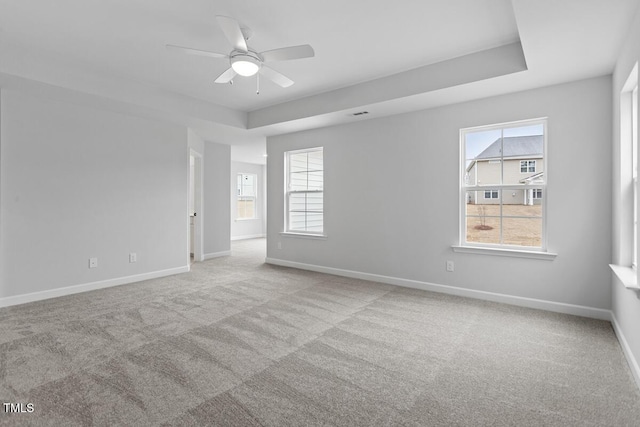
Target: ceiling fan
245, 61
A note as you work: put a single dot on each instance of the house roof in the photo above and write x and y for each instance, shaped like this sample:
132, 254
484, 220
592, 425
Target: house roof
514, 146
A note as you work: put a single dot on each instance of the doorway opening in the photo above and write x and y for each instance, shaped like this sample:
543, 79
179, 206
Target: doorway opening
194, 251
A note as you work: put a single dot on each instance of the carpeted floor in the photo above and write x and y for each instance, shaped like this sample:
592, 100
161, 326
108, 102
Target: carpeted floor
236, 342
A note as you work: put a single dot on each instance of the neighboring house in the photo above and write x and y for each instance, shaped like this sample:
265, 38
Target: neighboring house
523, 165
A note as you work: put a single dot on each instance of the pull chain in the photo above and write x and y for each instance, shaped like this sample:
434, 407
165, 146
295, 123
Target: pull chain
258, 84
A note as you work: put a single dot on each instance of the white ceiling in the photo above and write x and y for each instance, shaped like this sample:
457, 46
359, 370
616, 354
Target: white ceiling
116, 49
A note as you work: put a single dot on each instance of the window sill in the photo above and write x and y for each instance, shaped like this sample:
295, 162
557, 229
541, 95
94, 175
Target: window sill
548, 256
247, 219
627, 276
304, 235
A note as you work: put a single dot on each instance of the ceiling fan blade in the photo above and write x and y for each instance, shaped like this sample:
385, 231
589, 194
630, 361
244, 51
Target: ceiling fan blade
286, 53
275, 76
191, 51
227, 76
231, 29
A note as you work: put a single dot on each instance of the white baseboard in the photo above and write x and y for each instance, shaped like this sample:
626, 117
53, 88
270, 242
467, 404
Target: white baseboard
250, 236
68, 290
216, 255
558, 307
631, 360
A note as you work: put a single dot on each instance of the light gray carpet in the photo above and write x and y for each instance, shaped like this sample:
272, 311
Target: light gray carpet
236, 342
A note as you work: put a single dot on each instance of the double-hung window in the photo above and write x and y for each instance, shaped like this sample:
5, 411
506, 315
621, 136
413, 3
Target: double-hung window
634, 171
246, 203
503, 186
304, 191
527, 166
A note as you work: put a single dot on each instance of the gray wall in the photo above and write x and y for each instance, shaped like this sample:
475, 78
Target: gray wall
248, 228
378, 221
80, 182
217, 217
625, 303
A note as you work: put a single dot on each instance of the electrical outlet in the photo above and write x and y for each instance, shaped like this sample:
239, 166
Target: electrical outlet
450, 266
133, 257
93, 262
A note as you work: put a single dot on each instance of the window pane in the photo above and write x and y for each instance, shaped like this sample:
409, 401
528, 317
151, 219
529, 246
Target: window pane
248, 184
306, 212
306, 202
246, 204
315, 160
315, 202
297, 221
298, 162
298, 202
315, 222
315, 178
520, 203
522, 231
246, 208
518, 171
482, 217
483, 229
299, 181
483, 154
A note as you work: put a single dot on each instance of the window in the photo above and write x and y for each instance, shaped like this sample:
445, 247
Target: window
527, 166
246, 204
626, 263
501, 207
634, 172
304, 191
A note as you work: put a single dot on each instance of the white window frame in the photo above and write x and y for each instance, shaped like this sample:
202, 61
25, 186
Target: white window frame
634, 174
626, 268
289, 192
527, 166
491, 194
240, 197
540, 252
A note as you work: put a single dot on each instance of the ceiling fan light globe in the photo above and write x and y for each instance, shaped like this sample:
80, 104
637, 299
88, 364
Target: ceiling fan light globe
245, 65
245, 68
